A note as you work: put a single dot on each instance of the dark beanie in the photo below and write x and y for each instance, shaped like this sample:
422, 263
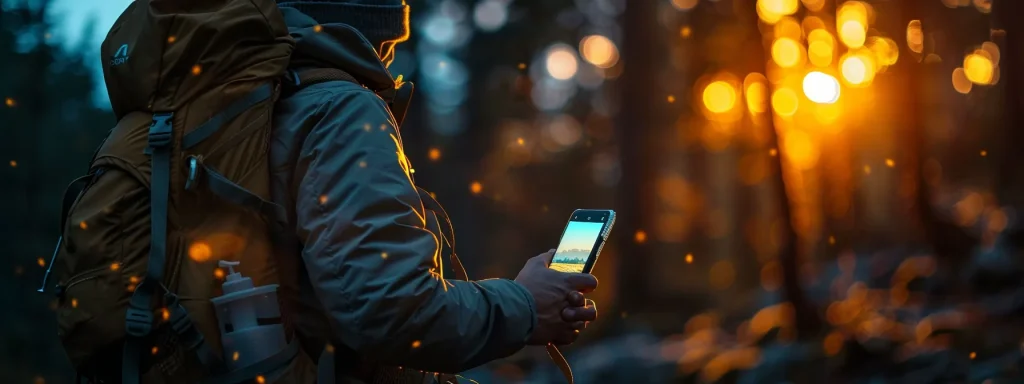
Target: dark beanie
381, 21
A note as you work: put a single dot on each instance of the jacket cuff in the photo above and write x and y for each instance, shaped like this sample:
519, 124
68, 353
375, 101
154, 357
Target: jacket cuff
520, 311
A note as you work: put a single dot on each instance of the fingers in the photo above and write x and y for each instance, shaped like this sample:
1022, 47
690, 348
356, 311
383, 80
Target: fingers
576, 299
579, 314
583, 282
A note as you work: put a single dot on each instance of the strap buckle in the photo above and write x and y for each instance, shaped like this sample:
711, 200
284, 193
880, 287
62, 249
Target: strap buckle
138, 321
160, 132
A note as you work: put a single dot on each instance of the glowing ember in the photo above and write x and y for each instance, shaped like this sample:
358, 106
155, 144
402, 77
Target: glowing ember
640, 236
200, 252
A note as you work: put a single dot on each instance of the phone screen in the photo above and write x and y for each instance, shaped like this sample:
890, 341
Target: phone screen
578, 241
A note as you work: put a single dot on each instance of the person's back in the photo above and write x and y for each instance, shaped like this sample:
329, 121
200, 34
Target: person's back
362, 279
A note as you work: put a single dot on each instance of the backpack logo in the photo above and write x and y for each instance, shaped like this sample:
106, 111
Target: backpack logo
120, 57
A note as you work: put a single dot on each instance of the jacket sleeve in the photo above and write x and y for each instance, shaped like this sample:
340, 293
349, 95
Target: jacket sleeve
373, 263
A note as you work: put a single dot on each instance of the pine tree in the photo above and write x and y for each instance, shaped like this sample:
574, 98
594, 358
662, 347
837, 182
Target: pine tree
51, 128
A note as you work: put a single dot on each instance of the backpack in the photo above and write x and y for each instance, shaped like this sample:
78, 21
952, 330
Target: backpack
178, 189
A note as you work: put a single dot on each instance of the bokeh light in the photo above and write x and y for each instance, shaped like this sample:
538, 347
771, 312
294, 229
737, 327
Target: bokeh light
983, 6
787, 52
885, 50
719, 97
915, 36
785, 102
756, 90
561, 62
852, 23
858, 68
820, 47
788, 27
684, 5
599, 51
821, 88
490, 15
814, 5
771, 11
852, 33
960, 81
979, 67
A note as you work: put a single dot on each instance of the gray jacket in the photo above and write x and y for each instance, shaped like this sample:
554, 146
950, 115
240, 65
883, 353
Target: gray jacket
366, 276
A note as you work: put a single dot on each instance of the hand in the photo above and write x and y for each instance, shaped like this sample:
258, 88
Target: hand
580, 309
551, 292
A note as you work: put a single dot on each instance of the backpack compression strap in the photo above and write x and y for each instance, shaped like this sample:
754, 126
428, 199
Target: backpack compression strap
139, 318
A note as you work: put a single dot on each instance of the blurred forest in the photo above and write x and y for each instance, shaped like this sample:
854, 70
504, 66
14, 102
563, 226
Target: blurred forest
51, 127
807, 190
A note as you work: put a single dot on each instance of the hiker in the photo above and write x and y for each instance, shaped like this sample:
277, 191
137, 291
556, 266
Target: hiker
251, 216
369, 270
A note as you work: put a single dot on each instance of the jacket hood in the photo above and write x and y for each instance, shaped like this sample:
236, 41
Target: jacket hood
335, 45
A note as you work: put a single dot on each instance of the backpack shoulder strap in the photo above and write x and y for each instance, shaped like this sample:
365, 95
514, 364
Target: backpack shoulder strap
298, 79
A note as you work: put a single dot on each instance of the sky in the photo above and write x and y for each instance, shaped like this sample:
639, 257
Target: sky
580, 235
71, 16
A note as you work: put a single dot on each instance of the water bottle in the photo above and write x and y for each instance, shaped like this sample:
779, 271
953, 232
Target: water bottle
249, 319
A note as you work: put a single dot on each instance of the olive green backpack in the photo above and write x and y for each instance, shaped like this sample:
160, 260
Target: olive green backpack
178, 185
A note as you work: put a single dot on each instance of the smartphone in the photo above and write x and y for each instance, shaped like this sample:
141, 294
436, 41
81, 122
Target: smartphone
582, 240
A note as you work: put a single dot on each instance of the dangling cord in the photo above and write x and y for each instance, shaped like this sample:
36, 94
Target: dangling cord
431, 203
460, 273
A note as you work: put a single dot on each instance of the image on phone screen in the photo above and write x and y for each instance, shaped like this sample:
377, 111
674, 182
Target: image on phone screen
576, 246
